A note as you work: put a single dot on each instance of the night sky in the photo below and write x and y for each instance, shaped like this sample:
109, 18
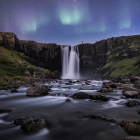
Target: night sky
68, 22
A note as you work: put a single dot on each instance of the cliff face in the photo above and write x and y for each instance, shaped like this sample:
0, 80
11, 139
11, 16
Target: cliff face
42, 55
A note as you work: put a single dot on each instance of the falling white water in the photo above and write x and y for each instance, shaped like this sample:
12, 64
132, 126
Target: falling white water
70, 62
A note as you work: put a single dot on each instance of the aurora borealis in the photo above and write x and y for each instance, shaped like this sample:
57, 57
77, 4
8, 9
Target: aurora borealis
69, 21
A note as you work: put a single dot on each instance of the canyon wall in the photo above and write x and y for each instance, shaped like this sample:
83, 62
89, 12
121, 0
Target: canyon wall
42, 55
92, 56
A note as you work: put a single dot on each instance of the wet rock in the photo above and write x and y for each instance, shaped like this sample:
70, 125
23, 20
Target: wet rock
5, 110
101, 117
14, 91
105, 90
137, 84
80, 95
87, 83
134, 78
37, 90
131, 127
98, 96
132, 138
132, 103
131, 94
68, 100
125, 81
113, 85
129, 88
30, 123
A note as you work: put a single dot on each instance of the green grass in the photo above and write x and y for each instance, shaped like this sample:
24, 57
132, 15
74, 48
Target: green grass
14, 67
123, 59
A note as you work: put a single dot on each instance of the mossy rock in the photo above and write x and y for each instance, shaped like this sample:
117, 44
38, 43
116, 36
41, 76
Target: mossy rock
132, 128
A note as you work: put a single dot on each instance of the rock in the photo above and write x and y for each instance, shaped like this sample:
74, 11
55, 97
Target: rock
129, 88
125, 81
5, 110
132, 138
87, 83
68, 100
37, 90
131, 127
113, 85
134, 78
137, 84
30, 123
132, 103
14, 91
80, 95
131, 94
98, 96
105, 90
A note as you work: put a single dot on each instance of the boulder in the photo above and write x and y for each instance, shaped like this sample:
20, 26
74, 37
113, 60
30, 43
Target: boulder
131, 127
131, 94
68, 100
5, 110
14, 91
129, 88
125, 81
132, 138
105, 90
132, 103
80, 95
37, 90
30, 123
134, 78
137, 84
98, 96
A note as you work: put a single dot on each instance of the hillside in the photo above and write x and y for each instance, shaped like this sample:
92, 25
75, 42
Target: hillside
15, 68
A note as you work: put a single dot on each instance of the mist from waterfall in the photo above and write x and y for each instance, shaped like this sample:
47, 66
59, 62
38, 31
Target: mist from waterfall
70, 62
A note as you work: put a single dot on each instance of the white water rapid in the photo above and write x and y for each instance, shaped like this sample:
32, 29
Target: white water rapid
70, 62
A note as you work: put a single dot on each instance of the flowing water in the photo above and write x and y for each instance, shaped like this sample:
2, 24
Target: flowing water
70, 62
67, 120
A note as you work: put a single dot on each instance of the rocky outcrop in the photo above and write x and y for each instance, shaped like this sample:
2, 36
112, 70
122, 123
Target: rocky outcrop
37, 90
42, 55
30, 123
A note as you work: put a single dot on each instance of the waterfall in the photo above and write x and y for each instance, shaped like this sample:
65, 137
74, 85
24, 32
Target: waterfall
70, 62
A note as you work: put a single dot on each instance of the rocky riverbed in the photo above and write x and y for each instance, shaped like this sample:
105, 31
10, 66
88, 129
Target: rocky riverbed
71, 109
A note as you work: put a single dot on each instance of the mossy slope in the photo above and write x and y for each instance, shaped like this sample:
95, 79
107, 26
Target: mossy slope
123, 59
14, 66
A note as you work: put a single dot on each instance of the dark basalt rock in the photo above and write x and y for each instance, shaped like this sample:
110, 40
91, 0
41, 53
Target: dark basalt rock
98, 96
131, 94
30, 123
37, 90
113, 85
80, 95
68, 100
137, 84
14, 91
132, 138
5, 110
100, 117
132, 103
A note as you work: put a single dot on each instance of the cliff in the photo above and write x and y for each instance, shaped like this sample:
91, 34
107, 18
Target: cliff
102, 56
42, 55
108, 57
